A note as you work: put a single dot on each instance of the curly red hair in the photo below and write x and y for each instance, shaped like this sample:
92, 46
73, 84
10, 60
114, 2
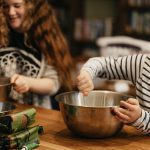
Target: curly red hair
41, 25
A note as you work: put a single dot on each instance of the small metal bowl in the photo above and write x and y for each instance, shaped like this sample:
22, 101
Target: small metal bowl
5, 88
6, 108
91, 116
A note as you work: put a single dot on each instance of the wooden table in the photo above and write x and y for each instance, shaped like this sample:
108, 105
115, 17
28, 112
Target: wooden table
57, 137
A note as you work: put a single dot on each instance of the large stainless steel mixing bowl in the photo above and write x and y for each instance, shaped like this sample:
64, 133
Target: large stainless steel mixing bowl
91, 116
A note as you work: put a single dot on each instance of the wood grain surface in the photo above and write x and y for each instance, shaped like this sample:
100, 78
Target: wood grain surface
56, 135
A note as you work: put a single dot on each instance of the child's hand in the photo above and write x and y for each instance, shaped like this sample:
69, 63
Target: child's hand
129, 111
84, 82
20, 83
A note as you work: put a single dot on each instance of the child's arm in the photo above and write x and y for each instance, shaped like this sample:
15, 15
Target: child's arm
126, 68
84, 82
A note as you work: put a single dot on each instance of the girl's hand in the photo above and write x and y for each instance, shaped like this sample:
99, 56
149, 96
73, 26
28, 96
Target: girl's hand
129, 111
20, 83
84, 82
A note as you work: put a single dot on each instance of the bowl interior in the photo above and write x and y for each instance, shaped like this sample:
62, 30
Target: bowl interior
94, 99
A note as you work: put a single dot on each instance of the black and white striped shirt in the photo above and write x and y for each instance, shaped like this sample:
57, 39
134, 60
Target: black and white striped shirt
135, 68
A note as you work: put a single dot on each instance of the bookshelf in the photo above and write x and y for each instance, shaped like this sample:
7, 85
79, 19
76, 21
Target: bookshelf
97, 20
134, 19
83, 21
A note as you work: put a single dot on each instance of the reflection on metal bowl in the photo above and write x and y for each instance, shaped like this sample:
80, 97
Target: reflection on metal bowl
91, 116
6, 108
5, 87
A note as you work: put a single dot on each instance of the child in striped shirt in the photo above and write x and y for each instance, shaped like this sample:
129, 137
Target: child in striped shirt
135, 68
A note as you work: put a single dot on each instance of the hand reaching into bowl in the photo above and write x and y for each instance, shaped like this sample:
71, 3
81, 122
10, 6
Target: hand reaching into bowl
84, 82
129, 111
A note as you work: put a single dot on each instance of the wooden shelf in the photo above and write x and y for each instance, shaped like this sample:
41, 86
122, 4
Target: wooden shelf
88, 43
139, 8
134, 20
70, 11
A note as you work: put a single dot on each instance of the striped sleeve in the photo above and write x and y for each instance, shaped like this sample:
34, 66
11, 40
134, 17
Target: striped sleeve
127, 67
143, 95
143, 123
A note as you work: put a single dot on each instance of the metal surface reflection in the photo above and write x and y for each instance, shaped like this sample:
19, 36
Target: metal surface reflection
91, 116
6, 108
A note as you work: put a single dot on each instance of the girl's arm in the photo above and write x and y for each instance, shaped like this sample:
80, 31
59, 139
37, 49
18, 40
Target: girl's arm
47, 84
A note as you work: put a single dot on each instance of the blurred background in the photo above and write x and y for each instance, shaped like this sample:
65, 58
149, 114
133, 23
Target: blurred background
104, 28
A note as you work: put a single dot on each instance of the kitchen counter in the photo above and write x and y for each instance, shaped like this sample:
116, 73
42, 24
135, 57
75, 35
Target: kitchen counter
56, 135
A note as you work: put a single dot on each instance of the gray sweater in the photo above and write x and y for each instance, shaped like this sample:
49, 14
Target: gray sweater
14, 60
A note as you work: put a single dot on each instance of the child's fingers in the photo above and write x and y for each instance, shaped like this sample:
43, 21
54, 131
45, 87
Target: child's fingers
133, 101
127, 105
84, 86
82, 82
122, 114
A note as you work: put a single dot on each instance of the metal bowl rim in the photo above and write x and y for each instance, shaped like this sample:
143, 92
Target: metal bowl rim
2, 85
101, 91
85, 106
5, 84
